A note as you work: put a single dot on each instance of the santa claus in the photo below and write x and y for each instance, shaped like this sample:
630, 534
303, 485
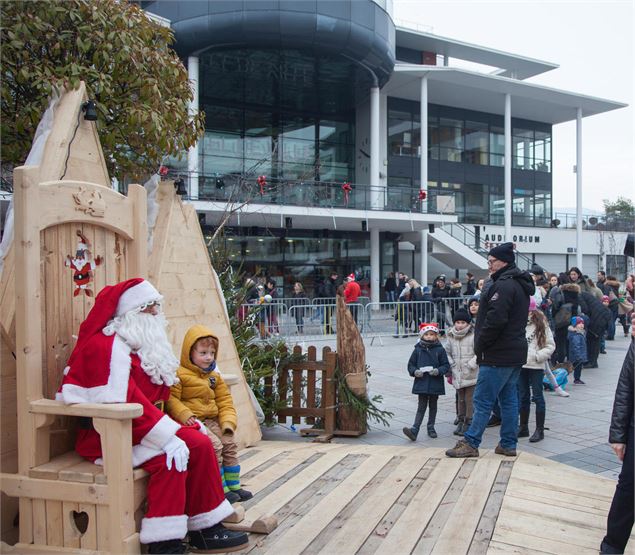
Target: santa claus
123, 355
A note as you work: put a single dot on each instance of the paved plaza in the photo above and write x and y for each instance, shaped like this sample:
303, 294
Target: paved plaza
578, 426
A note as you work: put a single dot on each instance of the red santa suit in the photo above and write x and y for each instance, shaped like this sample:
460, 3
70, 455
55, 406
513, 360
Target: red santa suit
352, 290
103, 369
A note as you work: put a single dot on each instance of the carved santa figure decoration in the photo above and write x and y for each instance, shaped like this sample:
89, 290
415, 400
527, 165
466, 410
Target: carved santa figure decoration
82, 265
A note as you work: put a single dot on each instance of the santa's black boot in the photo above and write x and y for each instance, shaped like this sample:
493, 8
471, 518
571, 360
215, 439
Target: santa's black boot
167, 547
217, 539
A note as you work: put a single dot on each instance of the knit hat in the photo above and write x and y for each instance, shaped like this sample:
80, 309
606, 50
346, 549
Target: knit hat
423, 328
577, 320
504, 252
462, 315
532, 304
536, 269
472, 301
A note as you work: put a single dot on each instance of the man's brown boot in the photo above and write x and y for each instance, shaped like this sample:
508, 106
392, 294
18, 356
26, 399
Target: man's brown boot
503, 451
462, 449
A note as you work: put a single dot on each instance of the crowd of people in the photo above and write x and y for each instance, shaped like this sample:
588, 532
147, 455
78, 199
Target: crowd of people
519, 333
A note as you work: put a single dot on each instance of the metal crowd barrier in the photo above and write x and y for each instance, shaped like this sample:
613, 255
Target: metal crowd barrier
314, 321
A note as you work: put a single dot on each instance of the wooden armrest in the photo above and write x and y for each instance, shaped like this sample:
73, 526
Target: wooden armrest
112, 411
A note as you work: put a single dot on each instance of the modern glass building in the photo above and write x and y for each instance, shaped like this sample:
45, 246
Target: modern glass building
317, 114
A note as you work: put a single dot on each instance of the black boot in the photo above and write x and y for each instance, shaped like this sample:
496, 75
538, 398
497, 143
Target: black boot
167, 547
539, 434
493, 421
523, 429
219, 538
460, 427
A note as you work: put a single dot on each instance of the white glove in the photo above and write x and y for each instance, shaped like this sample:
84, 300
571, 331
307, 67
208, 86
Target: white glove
202, 428
434, 372
176, 450
419, 373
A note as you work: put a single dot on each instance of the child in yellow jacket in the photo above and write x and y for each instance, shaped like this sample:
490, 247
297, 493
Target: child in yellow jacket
202, 394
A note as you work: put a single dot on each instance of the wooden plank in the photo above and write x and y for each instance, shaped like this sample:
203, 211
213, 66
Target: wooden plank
456, 535
39, 521
355, 529
296, 376
541, 527
102, 527
115, 411
89, 538
508, 535
16, 485
54, 524
316, 519
71, 533
51, 469
84, 471
285, 493
487, 523
405, 533
520, 487
261, 457
499, 548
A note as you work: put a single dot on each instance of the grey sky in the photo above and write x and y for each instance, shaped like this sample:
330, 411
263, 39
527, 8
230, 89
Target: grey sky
593, 44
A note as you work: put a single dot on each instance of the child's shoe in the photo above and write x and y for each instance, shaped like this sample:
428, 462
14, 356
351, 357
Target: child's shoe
432, 432
232, 497
561, 392
579, 382
409, 434
460, 427
243, 493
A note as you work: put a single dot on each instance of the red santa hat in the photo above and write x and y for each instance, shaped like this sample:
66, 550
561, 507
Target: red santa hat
350, 277
425, 327
114, 300
108, 357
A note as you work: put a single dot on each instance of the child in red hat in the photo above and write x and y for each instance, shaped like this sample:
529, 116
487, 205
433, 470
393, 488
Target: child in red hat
428, 365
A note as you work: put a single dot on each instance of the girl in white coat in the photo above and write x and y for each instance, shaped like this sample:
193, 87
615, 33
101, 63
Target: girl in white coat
460, 349
541, 346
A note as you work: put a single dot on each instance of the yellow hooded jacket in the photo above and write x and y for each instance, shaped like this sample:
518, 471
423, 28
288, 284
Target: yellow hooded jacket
193, 395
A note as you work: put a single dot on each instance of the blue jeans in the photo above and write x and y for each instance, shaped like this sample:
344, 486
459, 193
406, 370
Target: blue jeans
495, 382
531, 378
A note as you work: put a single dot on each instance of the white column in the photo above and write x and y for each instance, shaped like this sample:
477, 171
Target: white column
423, 270
423, 161
508, 167
376, 194
578, 188
192, 153
374, 265
446, 60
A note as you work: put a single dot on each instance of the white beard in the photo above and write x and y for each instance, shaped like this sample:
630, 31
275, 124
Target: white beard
146, 335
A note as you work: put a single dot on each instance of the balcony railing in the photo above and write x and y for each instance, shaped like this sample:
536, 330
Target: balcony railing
601, 222
318, 194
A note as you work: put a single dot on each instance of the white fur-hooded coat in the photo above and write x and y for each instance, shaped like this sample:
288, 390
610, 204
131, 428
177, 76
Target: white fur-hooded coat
460, 349
536, 357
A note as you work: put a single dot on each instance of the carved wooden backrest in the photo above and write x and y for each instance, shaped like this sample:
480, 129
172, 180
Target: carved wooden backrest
72, 239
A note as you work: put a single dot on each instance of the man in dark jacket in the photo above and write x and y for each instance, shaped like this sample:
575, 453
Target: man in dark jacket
599, 318
501, 350
620, 520
470, 285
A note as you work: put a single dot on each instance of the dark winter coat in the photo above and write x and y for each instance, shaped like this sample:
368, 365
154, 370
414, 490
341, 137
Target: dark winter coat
429, 355
622, 417
470, 288
599, 316
499, 335
577, 346
329, 289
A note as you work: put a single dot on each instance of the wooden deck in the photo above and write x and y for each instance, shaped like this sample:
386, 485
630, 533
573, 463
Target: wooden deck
341, 498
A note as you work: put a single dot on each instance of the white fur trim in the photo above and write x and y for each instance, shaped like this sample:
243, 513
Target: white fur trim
134, 297
115, 391
143, 453
205, 520
160, 433
163, 528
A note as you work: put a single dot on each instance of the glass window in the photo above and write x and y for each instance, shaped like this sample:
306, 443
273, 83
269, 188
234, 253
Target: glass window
222, 165
336, 132
450, 139
476, 143
221, 143
497, 146
522, 207
400, 193
400, 139
258, 123
298, 127
542, 208
496, 205
222, 118
298, 151
433, 138
542, 151
476, 203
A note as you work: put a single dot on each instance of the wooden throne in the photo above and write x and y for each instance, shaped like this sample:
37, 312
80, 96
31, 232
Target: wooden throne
67, 504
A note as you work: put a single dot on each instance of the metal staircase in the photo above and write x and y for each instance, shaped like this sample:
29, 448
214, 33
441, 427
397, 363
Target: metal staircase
466, 236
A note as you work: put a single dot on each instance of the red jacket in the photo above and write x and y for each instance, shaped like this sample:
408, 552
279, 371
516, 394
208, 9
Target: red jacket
352, 292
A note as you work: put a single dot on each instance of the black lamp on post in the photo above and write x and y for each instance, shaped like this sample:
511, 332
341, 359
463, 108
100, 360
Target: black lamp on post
179, 185
90, 112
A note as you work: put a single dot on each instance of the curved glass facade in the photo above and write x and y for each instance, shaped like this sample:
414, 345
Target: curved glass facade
283, 114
